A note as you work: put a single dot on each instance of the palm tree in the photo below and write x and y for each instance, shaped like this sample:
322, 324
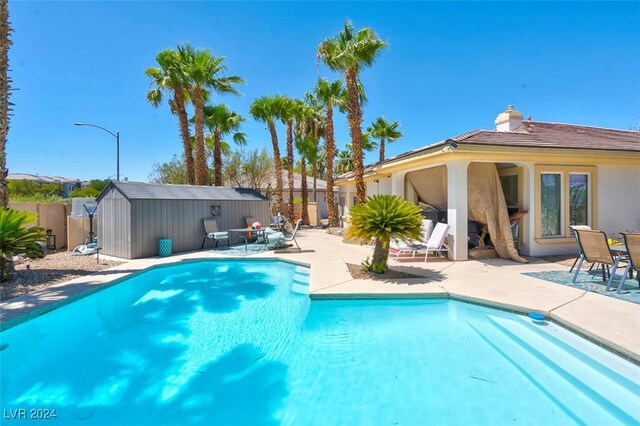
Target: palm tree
5, 104
384, 217
307, 147
344, 164
316, 124
384, 131
204, 70
267, 110
289, 111
348, 53
170, 77
330, 94
220, 121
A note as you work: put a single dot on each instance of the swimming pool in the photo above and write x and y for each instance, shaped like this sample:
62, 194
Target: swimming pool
239, 342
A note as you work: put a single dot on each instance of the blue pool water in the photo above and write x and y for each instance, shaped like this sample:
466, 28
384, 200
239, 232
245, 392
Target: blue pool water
240, 343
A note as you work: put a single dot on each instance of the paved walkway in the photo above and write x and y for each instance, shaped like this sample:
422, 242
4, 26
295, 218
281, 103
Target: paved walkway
494, 282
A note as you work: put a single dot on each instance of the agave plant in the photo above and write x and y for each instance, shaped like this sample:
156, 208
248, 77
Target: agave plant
16, 238
384, 217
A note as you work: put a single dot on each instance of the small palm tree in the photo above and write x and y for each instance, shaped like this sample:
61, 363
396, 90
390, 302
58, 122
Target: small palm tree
170, 77
203, 70
384, 131
16, 238
221, 121
330, 94
267, 110
384, 217
348, 53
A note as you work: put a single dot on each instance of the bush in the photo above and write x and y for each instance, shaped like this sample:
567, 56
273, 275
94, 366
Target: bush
16, 238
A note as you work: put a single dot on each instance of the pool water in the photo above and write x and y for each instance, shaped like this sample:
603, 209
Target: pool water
240, 343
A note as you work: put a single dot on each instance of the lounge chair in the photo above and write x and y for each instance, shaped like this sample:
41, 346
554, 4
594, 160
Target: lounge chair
277, 238
594, 248
436, 242
632, 242
211, 232
400, 247
575, 228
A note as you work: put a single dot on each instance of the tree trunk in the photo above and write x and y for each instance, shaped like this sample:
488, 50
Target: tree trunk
277, 163
381, 149
5, 105
290, 165
380, 253
183, 121
305, 191
217, 158
330, 150
314, 169
354, 116
201, 160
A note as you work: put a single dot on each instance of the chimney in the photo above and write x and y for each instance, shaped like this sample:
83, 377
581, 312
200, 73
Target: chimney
509, 120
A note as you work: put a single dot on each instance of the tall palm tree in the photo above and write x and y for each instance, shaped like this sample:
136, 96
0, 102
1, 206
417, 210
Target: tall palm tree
348, 53
267, 110
289, 111
344, 164
204, 71
316, 124
384, 131
330, 94
5, 104
170, 77
220, 121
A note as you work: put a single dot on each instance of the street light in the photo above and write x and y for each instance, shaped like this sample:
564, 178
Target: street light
115, 135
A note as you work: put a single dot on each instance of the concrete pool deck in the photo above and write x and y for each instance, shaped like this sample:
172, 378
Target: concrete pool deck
498, 283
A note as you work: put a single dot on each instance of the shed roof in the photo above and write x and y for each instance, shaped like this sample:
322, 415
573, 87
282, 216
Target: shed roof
161, 191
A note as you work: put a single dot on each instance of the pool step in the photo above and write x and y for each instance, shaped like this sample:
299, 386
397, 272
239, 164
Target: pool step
568, 380
300, 284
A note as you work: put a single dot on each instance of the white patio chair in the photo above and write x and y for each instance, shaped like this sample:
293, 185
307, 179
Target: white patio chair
403, 247
436, 242
277, 238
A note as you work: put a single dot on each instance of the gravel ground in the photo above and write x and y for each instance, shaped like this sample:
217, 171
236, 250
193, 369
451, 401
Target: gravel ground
359, 274
37, 274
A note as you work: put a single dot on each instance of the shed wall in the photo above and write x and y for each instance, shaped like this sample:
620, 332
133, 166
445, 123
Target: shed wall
181, 220
114, 225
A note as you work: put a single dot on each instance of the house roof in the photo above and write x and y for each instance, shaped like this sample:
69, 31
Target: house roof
321, 185
41, 179
160, 191
537, 135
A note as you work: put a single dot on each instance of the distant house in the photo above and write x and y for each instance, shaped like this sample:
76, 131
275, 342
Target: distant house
559, 174
66, 184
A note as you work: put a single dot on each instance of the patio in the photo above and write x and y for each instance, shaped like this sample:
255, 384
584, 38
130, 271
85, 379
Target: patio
493, 282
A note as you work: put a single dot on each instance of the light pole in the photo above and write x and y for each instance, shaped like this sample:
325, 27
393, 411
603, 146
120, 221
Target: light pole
115, 135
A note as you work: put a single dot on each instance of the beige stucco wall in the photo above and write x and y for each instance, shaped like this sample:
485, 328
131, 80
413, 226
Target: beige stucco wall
619, 198
78, 231
50, 216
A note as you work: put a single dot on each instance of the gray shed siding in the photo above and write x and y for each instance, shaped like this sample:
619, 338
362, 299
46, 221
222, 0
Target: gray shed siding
114, 225
181, 220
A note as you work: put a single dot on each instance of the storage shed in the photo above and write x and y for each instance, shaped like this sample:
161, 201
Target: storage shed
132, 217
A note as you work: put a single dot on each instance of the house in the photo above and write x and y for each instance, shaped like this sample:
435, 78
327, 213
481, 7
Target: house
133, 217
560, 174
66, 184
321, 191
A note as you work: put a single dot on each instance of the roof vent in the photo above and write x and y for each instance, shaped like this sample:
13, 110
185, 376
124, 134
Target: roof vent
509, 120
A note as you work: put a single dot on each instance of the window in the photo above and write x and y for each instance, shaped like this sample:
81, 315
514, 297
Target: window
510, 188
578, 199
565, 196
551, 204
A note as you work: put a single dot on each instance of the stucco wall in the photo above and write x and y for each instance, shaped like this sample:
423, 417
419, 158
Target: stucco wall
619, 198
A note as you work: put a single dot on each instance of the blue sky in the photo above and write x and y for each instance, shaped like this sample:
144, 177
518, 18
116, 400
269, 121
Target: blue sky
449, 68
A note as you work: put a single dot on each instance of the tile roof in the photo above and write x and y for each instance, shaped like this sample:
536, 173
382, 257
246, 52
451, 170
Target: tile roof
41, 179
537, 134
159, 191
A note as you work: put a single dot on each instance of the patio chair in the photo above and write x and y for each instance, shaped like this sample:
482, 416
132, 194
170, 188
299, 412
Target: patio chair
578, 228
595, 249
250, 220
277, 238
436, 242
277, 222
211, 232
400, 247
632, 242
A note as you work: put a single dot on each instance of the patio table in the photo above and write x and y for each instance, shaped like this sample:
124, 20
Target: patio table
245, 233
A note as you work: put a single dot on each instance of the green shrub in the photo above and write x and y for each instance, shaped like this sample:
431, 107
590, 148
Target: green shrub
16, 238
